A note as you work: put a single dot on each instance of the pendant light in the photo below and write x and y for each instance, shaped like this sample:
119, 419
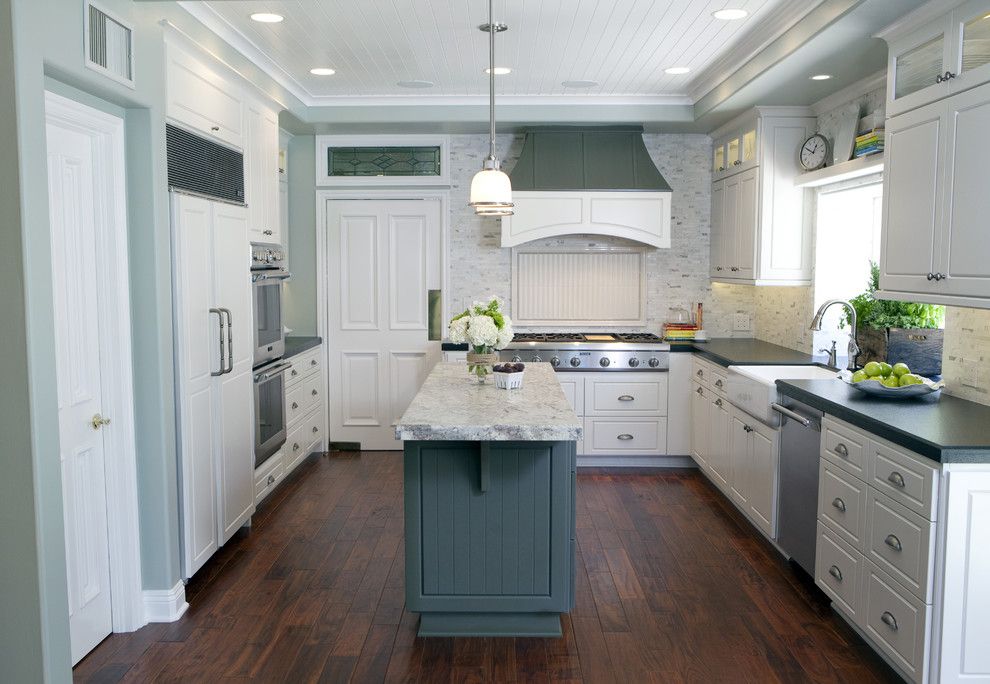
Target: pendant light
491, 191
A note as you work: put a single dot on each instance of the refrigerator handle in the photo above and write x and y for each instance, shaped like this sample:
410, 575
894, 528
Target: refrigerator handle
230, 340
223, 343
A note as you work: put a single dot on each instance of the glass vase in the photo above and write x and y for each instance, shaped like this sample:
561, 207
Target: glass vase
480, 362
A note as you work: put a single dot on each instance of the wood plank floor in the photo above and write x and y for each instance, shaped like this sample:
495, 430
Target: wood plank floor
672, 586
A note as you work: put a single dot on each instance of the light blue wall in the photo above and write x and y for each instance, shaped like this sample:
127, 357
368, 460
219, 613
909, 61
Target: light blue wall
300, 292
41, 45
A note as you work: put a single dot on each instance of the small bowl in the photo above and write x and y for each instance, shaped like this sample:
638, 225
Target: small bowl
509, 380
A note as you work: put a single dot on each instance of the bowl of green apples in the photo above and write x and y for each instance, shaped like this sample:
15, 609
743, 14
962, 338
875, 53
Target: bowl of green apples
896, 381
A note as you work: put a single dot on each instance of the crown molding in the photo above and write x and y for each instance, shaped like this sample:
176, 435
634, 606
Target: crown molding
769, 29
502, 100
850, 92
919, 17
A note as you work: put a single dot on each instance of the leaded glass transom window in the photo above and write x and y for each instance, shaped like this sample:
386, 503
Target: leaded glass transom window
383, 161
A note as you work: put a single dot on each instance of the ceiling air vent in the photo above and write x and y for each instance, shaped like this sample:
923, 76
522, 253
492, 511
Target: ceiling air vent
109, 45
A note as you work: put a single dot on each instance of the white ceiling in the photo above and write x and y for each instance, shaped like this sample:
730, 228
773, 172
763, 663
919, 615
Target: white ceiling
624, 45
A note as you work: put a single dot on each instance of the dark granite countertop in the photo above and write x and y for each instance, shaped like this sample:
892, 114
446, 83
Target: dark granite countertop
298, 344
727, 351
940, 427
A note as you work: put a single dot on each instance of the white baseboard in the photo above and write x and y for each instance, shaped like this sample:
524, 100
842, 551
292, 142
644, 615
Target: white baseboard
165, 605
635, 462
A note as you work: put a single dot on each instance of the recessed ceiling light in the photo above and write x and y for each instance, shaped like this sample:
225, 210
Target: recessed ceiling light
267, 17
499, 71
821, 77
676, 71
322, 71
415, 83
579, 83
730, 14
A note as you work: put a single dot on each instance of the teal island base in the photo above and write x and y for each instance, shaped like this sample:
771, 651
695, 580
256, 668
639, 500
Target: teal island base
490, 541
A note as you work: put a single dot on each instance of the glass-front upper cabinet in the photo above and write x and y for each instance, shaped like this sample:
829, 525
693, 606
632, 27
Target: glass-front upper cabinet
749, 146
732, 153
944, 56
718, 158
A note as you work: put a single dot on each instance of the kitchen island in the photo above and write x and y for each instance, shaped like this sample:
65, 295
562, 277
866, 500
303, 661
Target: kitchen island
489, 487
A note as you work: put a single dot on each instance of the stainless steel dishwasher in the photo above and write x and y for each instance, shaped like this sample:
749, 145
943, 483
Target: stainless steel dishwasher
797, 501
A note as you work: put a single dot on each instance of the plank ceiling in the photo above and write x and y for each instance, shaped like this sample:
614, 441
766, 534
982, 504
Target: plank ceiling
623, 45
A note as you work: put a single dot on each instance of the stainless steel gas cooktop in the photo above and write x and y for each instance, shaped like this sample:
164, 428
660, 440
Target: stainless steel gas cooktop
593, 351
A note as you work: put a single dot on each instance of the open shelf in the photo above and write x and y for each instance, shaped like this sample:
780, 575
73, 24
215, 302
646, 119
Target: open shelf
854, 168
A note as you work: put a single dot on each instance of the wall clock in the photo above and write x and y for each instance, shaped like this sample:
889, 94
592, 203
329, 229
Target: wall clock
814, 152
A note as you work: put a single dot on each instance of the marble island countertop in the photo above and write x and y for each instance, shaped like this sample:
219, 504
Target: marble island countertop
452, 406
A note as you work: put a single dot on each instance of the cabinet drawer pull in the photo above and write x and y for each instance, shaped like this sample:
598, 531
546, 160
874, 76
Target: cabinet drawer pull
931, 276
945, 78
839, 503
718, 268
294, 372
627, 397
718, 402
888, 619
842, 450
313, 362
215, 129
700, 373
315, 393
271, 479
719, 383
268, 232
734, 269
295, 446
835, 572
893, 542
315, 429
896, 479
699, 390
747, 428
294, 406
625, 437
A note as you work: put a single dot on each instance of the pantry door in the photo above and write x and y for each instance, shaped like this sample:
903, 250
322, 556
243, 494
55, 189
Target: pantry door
383, 258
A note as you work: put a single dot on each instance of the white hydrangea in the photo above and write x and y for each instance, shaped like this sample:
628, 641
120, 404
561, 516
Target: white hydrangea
505, 334
457, 330
481, 331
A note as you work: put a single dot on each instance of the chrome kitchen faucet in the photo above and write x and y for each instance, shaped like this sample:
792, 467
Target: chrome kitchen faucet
816, 324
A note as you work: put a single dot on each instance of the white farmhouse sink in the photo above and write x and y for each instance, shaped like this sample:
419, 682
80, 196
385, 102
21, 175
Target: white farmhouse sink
753, 388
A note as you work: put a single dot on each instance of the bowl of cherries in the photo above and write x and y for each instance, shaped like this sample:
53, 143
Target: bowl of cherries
509, 375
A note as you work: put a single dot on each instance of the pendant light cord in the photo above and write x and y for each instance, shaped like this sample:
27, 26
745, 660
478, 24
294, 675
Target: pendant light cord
491, 82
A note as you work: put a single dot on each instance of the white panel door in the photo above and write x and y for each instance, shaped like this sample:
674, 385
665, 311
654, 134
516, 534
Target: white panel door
965, 245
746, 224
384, 256
235, 397
80, 393
718, 445
912, 199
764, 445
197, 330
717, 255
739, 459
700, 426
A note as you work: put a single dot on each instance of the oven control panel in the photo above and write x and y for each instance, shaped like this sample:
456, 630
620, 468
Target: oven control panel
267, 256
592, 360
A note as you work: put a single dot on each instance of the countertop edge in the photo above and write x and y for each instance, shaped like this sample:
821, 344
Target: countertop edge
299, 344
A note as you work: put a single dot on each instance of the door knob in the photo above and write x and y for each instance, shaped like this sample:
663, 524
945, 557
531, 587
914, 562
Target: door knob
99, 421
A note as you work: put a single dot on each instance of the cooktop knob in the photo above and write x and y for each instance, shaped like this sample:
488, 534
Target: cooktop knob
575, 361
633, 362
555, 361
604, 362
516, 359
536, 358
654, 362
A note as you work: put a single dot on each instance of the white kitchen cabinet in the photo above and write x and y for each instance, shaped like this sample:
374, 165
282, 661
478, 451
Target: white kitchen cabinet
761, 233
753, 449
700, 403
261, 173
935, 203
719, 459
214, 384
201, 99
735, 150
639, 216
936, 51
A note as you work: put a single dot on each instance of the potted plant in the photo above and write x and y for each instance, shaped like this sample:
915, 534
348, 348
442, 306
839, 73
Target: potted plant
485, 329
902, 331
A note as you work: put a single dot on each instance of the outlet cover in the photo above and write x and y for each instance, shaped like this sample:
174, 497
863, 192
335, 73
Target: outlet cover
741, 322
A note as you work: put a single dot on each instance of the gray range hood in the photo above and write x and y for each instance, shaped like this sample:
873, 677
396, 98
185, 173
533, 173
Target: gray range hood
597, 158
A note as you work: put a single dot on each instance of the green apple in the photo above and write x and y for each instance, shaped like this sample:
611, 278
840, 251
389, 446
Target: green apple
860, 376
910, 379
885, 369
891, 381
901, 369
873, 369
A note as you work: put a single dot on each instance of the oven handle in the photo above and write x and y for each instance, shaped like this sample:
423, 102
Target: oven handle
283, 275
272, 372
230, 339
784, 411
223, 342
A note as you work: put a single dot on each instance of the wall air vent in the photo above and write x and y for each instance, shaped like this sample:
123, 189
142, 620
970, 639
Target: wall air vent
109, 45
203, 167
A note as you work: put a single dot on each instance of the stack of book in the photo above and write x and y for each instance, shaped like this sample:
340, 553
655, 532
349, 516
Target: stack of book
684, 331
870, 142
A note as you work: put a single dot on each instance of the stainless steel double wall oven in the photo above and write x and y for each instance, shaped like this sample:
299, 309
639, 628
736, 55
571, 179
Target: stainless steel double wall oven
268, 274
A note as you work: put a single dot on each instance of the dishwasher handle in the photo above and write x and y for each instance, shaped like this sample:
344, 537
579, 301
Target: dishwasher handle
784, 411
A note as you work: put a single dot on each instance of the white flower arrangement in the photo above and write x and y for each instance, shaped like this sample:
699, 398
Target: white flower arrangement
484, 328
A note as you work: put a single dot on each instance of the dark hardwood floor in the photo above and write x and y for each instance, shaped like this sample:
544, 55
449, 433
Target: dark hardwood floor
672, 586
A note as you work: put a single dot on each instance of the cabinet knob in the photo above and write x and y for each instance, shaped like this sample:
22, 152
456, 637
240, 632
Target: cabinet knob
736, 163
215, 129
699, 390
315, 429
931, 276
945, 78
700, 373
313, 362
315, 393
271, 479
718, 402
718, 268
734, 269
268, 232
718, 383
835, 572
747, 428
295, 447
294, 373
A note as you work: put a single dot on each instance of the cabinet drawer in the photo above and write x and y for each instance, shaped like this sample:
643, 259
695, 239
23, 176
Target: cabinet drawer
901, 543
625, 436
905, 479
303, 365
846, 447
839, 572
896, 621
303, 396
268, 475
708, 374
606, 396
842, 504
302, 438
